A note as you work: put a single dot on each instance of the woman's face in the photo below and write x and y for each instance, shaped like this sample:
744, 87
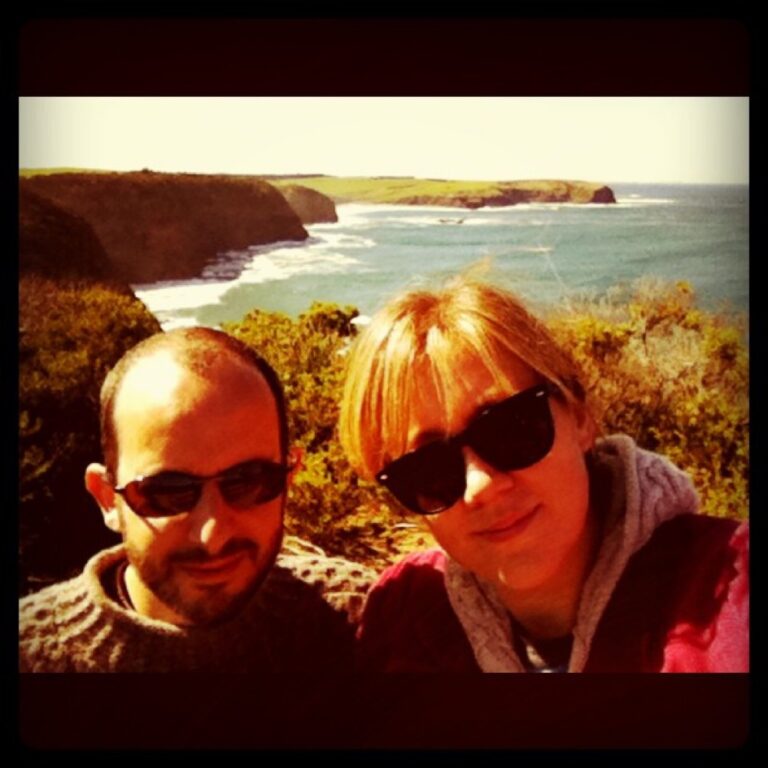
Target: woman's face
522, 528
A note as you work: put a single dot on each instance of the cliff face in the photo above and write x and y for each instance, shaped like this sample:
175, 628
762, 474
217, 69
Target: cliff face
311, 206
54, 243
157, 226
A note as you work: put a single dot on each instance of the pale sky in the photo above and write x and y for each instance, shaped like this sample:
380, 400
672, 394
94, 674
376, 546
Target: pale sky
673, 140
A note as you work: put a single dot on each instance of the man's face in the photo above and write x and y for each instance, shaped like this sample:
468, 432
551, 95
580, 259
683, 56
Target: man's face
199, 566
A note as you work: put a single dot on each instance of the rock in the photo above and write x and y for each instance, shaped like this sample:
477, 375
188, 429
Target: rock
311, 206
603, 195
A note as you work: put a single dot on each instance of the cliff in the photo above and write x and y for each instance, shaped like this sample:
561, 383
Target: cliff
311, 206
460, 194
54, 243
158, 226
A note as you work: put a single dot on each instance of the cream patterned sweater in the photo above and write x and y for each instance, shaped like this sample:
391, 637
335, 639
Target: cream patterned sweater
301, 619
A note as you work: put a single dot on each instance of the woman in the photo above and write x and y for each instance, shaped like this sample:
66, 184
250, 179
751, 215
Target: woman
560, 551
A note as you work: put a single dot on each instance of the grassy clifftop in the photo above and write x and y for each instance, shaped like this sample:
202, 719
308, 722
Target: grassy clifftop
462, 194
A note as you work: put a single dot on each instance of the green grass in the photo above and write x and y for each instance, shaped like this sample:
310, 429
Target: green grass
403, 190
28, 172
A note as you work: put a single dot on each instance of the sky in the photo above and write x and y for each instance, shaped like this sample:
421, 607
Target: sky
614, 139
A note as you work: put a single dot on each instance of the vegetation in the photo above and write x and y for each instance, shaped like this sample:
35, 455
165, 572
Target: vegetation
28, 172
71, 333
329, 504
670, 375
471, 194
674, 378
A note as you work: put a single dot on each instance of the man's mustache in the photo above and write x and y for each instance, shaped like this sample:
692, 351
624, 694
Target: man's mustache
201, 555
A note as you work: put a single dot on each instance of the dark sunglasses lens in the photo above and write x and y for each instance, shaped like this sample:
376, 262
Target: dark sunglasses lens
515, 433
428, 480
253, 483
163, 496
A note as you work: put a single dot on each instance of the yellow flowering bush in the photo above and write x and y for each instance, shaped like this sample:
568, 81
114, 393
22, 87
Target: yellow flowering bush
673, 377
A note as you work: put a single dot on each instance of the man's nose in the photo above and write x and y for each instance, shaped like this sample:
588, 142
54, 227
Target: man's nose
483, 481
211, 520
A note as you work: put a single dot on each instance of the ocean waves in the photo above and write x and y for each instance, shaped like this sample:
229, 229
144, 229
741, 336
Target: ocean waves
548, 251
174, 302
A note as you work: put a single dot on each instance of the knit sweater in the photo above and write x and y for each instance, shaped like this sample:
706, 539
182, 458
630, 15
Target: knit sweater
300, 619
668, 590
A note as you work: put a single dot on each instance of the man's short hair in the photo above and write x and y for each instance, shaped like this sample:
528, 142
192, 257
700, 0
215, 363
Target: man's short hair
196, 349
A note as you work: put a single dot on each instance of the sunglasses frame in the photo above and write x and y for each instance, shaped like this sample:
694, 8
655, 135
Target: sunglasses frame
455, 486
199, 481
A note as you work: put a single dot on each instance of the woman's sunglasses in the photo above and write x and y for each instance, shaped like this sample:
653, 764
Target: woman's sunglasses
243, 486
512, 434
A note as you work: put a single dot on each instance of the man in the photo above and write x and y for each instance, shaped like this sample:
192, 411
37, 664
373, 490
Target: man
196, 467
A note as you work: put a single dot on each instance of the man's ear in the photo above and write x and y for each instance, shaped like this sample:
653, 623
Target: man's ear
98, 484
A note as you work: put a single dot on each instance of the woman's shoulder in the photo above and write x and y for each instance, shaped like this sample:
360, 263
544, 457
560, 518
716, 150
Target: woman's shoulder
682, 604
416, 565
418, 577
408, 624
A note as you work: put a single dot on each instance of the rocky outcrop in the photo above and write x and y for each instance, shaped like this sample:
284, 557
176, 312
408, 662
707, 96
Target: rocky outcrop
159, 226
312, 206
603, 195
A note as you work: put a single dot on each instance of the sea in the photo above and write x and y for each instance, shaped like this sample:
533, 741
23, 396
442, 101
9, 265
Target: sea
550, 254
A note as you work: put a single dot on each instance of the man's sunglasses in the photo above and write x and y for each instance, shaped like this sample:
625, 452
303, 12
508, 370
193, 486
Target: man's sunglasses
243, 486
512, 434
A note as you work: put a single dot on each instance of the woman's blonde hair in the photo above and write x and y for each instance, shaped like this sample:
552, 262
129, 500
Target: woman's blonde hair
429, 330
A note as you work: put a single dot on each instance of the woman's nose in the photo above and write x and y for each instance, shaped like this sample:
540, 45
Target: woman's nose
483, 481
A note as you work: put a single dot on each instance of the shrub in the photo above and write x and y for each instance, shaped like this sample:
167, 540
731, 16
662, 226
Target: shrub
671, 376
329, 504
70, 335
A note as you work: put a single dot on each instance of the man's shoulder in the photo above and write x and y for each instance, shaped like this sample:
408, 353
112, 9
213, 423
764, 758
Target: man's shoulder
305, 572
75, 588
43, 616
52, 620
37, 604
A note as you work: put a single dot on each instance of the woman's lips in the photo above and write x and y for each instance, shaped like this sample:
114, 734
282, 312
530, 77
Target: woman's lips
507, 528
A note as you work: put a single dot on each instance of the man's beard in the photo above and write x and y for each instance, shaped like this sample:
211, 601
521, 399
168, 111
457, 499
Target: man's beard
210, 604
